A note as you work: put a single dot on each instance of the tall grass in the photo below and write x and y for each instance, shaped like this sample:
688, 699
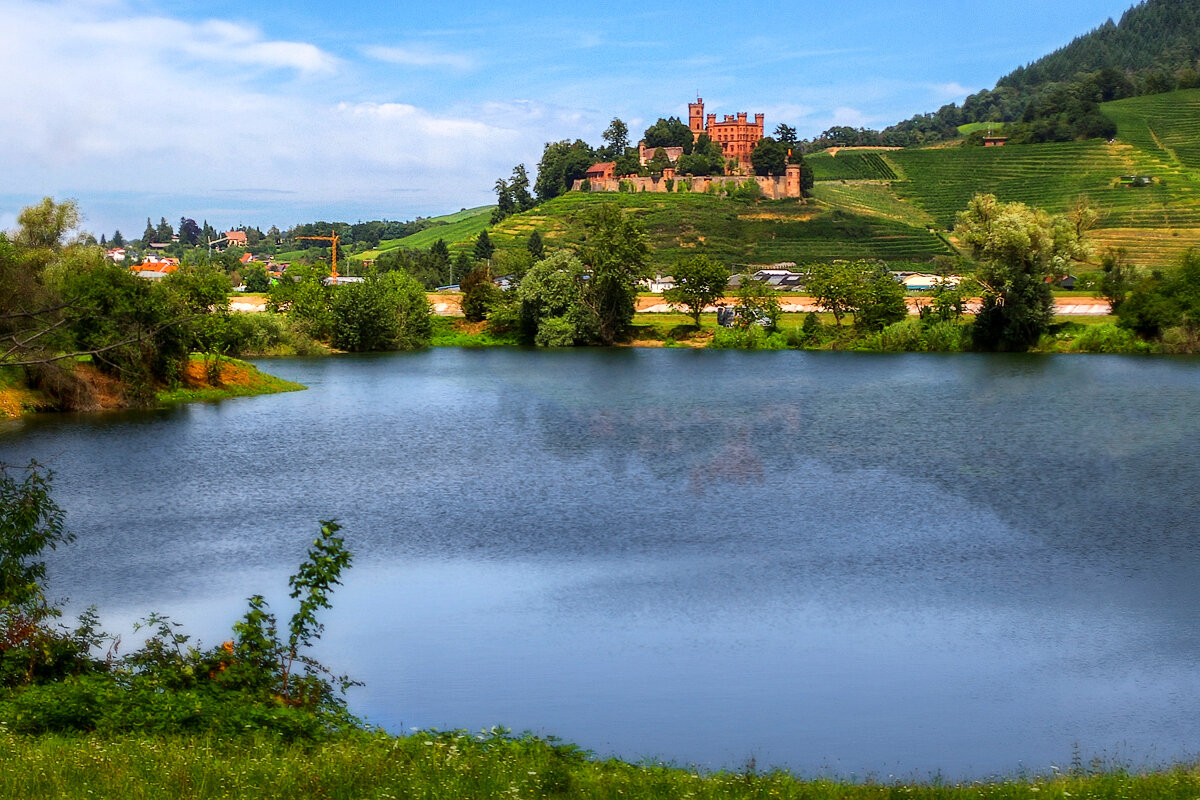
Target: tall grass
445, 766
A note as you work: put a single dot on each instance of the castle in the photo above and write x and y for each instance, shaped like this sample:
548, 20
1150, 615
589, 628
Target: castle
735, 133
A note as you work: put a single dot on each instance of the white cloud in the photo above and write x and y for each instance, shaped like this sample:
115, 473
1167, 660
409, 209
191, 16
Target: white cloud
140, 106
419, 56
948, 92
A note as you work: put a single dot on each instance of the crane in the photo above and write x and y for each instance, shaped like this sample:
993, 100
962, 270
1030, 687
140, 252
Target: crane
334, 239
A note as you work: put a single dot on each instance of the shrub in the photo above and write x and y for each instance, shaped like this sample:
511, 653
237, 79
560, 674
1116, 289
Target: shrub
905, 336
1107, 338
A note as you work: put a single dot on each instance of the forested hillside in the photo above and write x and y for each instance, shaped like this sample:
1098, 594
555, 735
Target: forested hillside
1153, 49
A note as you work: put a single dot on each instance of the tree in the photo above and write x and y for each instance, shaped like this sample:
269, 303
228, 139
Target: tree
164, 232
483, 247
149, 234
616, 139
117, 239
785, 134
562, 164
659, 161
616, 252
699, 281
384, 312
835, 287
756, 303
535, 247
255, 278
189, 231
1119, 277
880, 299
1018, 249
439, 261
706, 158
479, 294
668, 132
769, 157
550, 302
518, 186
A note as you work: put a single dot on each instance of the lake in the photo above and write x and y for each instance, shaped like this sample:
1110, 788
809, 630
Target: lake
852, 564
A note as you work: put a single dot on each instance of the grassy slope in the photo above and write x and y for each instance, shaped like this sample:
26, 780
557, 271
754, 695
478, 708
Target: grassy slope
454, 229
1158, 135
735, 232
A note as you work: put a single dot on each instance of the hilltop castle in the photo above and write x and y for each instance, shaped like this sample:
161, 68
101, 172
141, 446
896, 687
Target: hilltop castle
735, 133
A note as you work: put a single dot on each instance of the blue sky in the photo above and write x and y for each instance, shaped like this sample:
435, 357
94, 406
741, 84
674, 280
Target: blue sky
289, 111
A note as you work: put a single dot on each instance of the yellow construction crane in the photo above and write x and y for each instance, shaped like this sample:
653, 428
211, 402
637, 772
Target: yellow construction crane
334, 239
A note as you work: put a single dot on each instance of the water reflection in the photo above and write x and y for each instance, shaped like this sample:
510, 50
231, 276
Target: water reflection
867, 563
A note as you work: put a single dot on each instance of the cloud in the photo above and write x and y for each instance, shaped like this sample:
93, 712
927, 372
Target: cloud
419, 56
947, 92
118, 107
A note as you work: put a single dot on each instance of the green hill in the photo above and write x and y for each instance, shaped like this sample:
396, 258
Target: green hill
451, 228
733, 231
1158, 136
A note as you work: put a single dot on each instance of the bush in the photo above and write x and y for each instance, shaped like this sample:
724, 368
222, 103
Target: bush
906, 336
751, 338
1107, 338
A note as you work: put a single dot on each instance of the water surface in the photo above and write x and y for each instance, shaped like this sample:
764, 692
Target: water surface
861, 564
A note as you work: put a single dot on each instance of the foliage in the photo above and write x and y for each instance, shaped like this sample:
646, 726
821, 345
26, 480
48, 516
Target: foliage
617, 255
479, 294
756, 305
616, 141
1018, 248
669, 132
483, 247
699, 281
835, 287
550, 302
1159, 302
769, 157
56, 683
706, 158
562, 164
880, 301
384, 312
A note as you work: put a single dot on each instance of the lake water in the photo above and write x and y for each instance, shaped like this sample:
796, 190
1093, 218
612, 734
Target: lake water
867, 565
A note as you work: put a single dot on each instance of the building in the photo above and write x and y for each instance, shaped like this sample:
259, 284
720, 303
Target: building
735, 133
602, 171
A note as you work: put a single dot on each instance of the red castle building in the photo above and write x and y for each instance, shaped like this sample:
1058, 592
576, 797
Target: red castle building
735, 133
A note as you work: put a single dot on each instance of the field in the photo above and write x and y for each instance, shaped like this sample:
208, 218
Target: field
855, 165
451, 228
736, 232
1158, 137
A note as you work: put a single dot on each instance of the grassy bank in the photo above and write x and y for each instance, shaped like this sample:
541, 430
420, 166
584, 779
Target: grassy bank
1068, 334
457, 765
202, 381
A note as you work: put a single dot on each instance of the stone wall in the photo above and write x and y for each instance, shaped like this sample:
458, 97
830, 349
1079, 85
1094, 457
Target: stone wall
774, 187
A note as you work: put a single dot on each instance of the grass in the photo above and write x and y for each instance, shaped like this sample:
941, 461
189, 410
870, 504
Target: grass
456, 228
457, 332
856, 165
458, 765
738, 233
238, 379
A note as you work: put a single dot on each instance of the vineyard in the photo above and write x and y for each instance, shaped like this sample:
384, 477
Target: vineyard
853, 166
736, 232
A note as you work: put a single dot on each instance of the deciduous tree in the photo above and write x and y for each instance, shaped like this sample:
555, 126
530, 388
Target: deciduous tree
699, 281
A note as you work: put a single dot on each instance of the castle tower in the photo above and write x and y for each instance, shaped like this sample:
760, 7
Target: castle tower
696, 117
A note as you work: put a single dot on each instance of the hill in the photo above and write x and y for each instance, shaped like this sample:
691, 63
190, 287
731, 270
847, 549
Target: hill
735, 231
451, 228
1158, 136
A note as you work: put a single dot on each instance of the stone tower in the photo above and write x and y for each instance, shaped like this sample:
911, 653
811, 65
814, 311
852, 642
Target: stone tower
696, 117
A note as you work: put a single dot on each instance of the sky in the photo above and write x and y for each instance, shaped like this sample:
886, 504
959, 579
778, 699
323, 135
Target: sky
290, 111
